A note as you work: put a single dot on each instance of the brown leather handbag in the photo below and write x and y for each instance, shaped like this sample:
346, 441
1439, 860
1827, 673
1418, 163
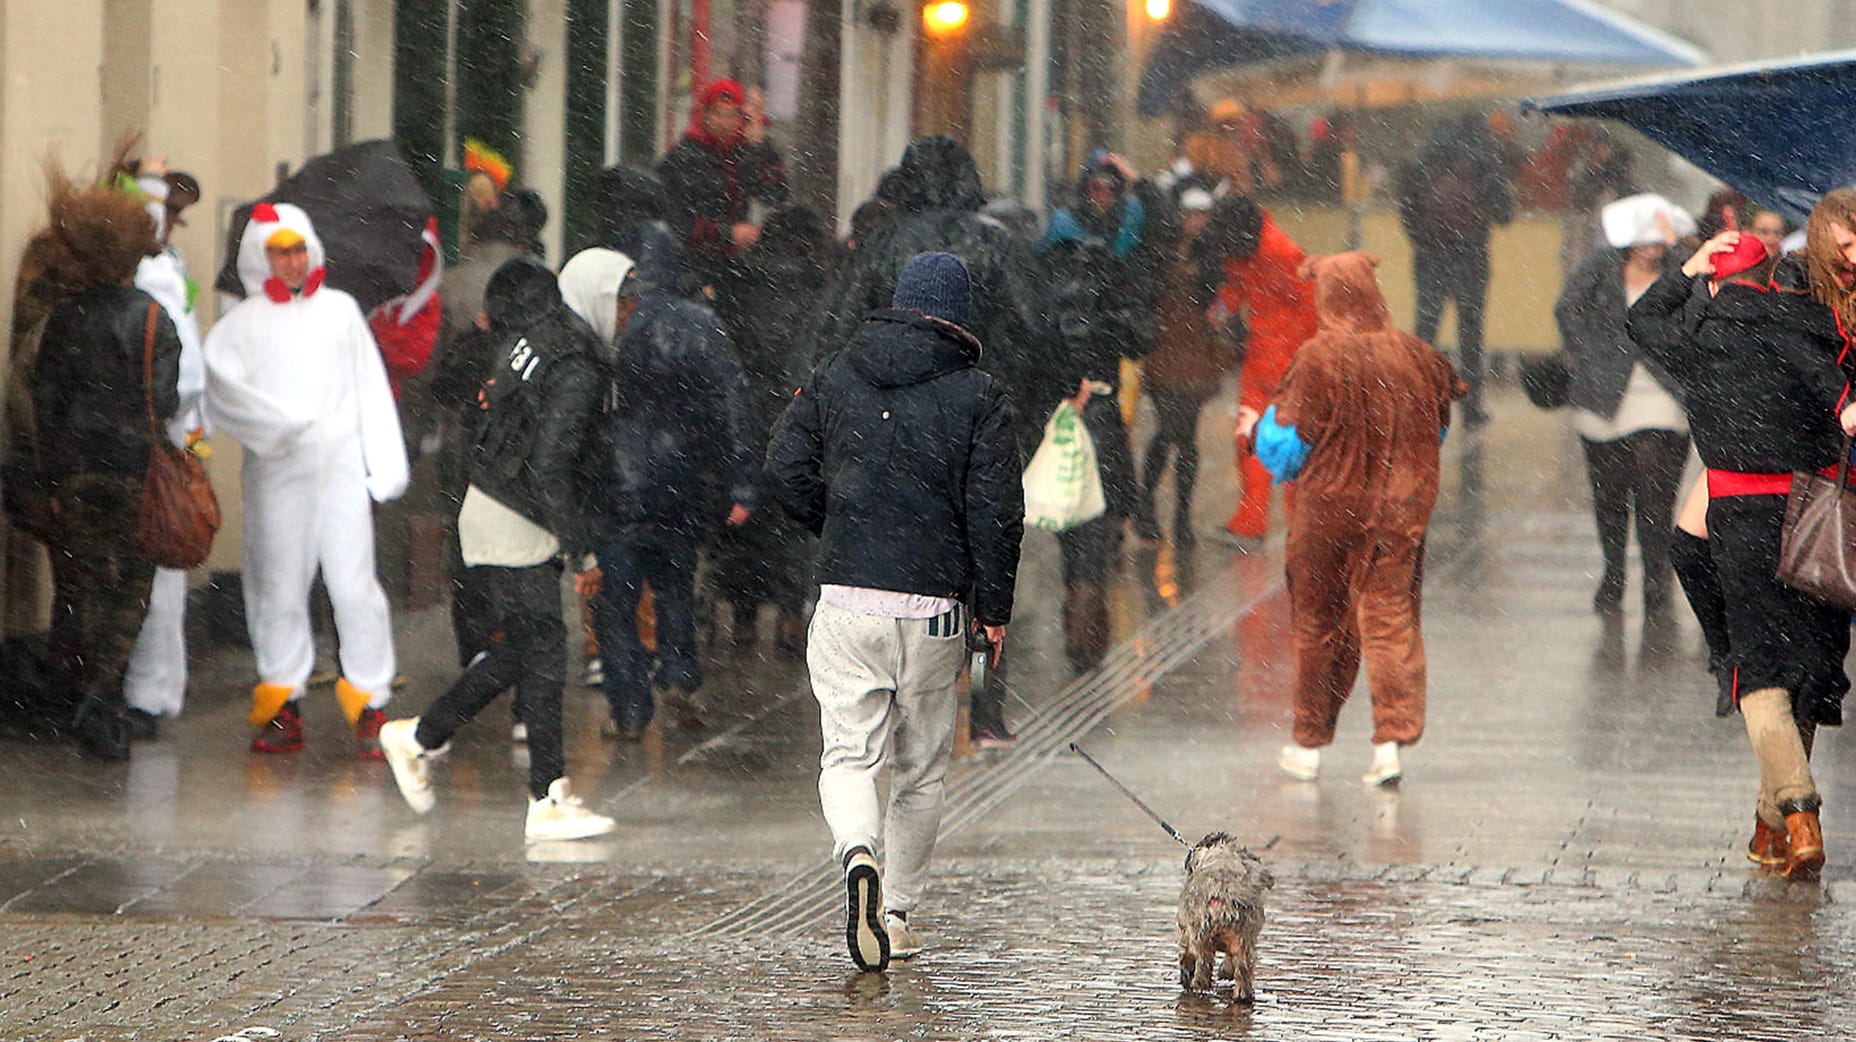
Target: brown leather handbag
1817, 546
179, 514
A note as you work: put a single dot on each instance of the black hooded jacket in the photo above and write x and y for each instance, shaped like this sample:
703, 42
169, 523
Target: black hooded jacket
937, 194
1758, 368
678, 447
899, 454
539, 403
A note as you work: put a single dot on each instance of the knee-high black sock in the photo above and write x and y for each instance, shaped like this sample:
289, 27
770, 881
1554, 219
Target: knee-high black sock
1701, 584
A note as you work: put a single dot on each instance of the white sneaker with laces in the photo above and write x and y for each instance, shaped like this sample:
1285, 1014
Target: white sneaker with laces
904, 942
1299, 763
1385, 769
561, 815
411, 762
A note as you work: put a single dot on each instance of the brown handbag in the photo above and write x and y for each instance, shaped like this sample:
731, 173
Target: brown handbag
1817, 546
179, 514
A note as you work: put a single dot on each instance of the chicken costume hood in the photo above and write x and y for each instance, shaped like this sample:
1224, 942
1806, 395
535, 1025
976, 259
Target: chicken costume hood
254, 267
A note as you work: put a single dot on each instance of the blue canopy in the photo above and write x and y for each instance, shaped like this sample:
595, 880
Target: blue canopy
1210, 34
1775, 131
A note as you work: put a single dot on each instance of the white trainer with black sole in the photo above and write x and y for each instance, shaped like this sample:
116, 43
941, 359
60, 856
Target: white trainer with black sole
864, 930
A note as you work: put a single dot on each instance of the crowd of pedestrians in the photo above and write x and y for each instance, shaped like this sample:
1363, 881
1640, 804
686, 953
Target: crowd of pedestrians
838, 432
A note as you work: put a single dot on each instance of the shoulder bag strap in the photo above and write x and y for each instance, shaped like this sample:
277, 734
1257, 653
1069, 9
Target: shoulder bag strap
148, 367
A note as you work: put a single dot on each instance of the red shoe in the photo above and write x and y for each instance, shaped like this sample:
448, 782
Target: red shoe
367, 730
284, 734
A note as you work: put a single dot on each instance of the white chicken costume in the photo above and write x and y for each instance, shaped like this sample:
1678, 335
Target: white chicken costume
296, 380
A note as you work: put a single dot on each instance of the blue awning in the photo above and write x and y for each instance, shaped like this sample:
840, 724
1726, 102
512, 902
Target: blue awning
1777, 131
1211, 34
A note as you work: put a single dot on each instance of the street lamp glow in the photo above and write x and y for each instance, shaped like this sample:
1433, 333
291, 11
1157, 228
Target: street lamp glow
945, 17
1159, 9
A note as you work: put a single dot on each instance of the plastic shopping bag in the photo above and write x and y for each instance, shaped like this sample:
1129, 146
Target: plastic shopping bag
1063, 488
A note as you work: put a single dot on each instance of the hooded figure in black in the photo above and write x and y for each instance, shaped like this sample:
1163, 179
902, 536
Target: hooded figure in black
1448, 199
678, 466
767, 300
937, 197
898, 452
521, 518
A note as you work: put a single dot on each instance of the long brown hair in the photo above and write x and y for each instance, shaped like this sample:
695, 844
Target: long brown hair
1822, 257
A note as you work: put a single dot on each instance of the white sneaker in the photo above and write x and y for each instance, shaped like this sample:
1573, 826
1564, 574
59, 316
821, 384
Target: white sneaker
561, 815
518, 732
1299, 763
904, 942
864, 931
411, 762
1385, 769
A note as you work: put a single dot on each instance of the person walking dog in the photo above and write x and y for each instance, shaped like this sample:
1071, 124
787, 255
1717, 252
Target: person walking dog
899, 454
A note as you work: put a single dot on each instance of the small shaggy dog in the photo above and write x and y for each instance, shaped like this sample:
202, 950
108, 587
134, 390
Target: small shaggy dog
1221, 910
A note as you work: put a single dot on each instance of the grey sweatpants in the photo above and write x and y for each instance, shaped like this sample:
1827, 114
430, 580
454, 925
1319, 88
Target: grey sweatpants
886, 696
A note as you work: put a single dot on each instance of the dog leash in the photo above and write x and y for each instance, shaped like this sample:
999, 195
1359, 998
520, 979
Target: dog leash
1125, 791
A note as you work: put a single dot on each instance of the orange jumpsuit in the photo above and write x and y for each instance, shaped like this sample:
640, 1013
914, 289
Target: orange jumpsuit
1280, 309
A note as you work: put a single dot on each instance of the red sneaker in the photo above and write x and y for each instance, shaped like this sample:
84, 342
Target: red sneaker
284, 734
367, 730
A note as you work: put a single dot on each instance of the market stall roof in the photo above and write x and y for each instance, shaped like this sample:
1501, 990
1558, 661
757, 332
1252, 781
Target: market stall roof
1776, 131
1211, 34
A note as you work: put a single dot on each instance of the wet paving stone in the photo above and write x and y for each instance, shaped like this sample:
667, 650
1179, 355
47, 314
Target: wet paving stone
102, 887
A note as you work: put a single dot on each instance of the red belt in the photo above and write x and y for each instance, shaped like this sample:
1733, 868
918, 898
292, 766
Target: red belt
1724, 483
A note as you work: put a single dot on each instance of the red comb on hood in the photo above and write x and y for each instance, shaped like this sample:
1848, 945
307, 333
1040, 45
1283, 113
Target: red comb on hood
265, 213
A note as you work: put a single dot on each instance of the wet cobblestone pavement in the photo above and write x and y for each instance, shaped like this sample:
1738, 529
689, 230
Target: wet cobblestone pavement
1562, 862
1076, 949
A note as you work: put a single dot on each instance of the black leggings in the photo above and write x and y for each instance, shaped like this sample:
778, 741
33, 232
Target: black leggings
525, 604
1640, 472
1177, 429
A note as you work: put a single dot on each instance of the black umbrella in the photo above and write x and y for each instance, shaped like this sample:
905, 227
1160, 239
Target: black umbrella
369, 212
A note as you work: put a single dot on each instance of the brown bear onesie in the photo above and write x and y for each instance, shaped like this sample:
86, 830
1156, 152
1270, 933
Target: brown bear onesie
1370, 402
